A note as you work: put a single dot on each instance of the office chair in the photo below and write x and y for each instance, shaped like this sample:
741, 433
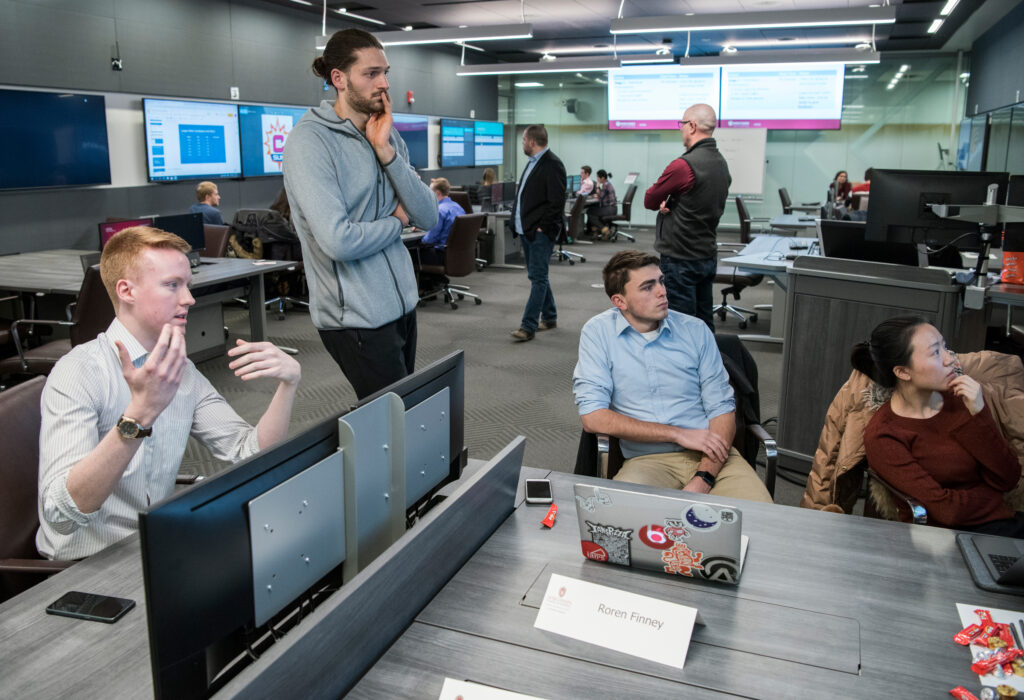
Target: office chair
459, 260
626, 215
887, 502
462, 199
280, 242
747, 221
736, 282
574, 228
788, 207
216, 240
750, 435
91, 314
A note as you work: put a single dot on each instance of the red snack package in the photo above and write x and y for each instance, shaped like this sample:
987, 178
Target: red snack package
985, 666
549, 519
1005, 634
984, 616
965, 635
961, 693
989, 630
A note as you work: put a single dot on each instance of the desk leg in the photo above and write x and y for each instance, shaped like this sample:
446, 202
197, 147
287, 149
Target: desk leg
777, 329
257, 308
497, 224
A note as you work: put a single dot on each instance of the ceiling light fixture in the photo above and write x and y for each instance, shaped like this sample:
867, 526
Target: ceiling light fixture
949, 7
605, 48
786, 56
935, 26
548, 58
302, 2
756, 20
647, 58
563, 65
800, 41
728, 50
346, 13
455, 35
528, 84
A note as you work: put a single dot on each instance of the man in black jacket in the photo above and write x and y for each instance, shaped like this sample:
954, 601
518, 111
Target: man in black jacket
537, 216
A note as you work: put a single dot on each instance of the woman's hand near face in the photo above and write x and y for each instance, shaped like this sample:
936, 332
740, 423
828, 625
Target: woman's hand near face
969, 392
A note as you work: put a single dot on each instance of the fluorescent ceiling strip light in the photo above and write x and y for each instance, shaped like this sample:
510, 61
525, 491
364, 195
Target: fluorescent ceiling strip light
457, 34
342, 11
302, 2
648, 58
796, 42
621, 48
795, 56
949, 7
756, 20
562, 65
529, 84
935, 26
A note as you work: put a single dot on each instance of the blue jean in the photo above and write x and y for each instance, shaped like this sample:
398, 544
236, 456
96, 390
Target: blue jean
541, 304
689, 286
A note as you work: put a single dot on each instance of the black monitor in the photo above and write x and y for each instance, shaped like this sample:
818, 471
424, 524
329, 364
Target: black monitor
845, 239
508, 191
188, 226
899, 213
448, 372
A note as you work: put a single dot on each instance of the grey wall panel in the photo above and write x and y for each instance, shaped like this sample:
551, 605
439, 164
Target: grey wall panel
995, 56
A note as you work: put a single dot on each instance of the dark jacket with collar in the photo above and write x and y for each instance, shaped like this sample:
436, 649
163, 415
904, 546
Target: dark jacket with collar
543, 199
688, 231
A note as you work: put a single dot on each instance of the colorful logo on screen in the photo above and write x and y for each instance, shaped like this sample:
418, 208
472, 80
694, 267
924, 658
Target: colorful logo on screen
276, 128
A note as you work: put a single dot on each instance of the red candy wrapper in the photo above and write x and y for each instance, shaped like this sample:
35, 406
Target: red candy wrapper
1005, 634
983, 667
984, 616
965, 635
961, 693
989, 630
549, 519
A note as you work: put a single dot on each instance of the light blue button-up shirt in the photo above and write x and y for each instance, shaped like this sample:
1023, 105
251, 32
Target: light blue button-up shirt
675, 379
519, 193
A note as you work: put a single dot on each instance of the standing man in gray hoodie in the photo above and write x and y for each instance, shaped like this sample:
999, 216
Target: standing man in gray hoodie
352, 190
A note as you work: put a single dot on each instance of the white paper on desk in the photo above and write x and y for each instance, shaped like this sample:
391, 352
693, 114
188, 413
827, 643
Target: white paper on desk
967, 617
464, 690
633, 624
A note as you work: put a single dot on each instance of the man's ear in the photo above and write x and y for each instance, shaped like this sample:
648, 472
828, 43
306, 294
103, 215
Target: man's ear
339, 79
619, 301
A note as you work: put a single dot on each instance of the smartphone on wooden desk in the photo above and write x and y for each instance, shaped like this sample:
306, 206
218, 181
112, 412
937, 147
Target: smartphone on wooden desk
90, 606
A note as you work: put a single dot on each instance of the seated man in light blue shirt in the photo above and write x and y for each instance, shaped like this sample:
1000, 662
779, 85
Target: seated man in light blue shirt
654, 379
436, 239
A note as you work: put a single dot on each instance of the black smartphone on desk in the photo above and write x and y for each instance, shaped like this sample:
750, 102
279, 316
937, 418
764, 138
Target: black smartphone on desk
90, 606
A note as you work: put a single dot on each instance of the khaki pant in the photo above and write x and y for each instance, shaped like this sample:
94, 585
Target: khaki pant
674, 470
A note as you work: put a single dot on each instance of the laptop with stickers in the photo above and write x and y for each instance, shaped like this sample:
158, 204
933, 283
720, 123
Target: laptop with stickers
662, 533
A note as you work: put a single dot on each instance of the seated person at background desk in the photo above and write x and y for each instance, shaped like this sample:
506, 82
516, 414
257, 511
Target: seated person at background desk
935, 439
209, 200
483, 190
117, 411
654, 379
863, 187
840, 188
436, 239
586, 184
606, 205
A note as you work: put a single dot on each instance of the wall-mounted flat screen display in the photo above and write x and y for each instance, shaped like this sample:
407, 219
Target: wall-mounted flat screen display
782, 96
53, 139
489, 145
655, 97
191, 140
413, 130
264, 130
109, 228
457, 143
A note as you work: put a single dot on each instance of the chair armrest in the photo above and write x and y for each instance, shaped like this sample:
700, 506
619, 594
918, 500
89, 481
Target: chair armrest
10, 297
918, 513
188, 479
33, 566
30, 322
771, 453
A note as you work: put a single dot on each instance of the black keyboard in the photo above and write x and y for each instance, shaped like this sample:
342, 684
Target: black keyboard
1002, 562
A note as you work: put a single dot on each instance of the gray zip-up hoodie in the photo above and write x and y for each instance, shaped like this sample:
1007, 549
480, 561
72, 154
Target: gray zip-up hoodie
360, 273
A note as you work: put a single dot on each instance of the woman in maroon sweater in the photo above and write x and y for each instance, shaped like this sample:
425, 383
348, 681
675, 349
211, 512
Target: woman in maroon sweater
935, 439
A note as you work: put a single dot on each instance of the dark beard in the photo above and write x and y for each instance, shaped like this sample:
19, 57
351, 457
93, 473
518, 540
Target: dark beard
362, 105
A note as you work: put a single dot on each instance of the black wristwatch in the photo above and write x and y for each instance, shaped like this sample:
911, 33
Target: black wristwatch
129, 429
708, 478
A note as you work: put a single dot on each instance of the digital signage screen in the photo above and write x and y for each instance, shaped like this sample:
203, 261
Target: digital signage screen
457, 143
489, 144
782, 96
655, 97
264, 130
191, 140
413, 130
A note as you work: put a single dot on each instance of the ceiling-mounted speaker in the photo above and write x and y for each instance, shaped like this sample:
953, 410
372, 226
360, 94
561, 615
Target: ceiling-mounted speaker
570, 105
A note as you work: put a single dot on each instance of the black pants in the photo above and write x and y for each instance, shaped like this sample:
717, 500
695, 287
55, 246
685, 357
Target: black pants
373, 358
1010, 527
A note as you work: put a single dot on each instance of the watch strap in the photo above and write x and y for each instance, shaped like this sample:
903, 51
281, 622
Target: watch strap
708, 478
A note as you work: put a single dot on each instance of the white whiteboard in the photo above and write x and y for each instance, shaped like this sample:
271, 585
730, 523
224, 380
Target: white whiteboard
744, 151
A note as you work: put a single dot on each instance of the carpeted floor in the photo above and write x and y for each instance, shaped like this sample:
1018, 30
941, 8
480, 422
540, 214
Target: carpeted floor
511, 388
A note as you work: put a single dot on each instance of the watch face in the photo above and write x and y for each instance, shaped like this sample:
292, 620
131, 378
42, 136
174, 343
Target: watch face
128, 428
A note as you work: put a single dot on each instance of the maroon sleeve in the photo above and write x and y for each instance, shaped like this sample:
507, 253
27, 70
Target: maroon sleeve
677, 179
982, 438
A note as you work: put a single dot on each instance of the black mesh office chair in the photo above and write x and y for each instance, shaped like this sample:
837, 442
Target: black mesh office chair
626, 216
573, 228
459, 261
788, 207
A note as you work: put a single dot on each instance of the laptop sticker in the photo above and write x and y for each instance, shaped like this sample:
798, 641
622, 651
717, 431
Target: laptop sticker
654, 537
724, 569
590, 503
614, 540
682, 560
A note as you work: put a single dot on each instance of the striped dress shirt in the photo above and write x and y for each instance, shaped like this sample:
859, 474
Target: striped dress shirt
82, 401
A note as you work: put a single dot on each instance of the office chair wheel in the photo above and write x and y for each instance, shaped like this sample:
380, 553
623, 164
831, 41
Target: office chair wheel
743, 325
280, 317
753, 318
454, 305
478, 301
461, 296
572, 262
721, 316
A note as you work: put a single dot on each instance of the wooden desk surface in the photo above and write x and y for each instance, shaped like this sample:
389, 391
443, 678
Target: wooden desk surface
1012, 294
876, 601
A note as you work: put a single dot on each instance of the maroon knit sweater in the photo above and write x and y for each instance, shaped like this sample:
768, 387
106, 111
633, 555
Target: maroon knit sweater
957, 465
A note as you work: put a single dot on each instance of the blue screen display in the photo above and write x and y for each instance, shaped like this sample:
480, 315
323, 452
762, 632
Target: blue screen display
191, 140
413, 130
490, 146
53, 140
264, 131
457, 143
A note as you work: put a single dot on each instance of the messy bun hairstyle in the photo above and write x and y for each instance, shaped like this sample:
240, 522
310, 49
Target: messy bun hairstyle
888, 348
341, 50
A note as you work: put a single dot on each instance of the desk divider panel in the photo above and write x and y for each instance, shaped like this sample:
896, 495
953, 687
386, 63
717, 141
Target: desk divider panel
427, 452
371, 439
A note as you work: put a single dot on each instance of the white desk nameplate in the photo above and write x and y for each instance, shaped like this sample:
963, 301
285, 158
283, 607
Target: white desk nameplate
465, 690
633, 624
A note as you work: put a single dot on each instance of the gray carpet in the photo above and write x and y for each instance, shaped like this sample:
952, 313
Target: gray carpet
511, 388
